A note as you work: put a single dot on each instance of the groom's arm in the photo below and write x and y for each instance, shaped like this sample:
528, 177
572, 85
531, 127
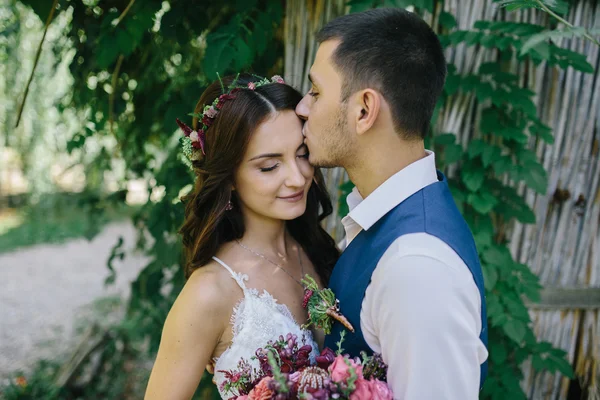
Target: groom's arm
422, 311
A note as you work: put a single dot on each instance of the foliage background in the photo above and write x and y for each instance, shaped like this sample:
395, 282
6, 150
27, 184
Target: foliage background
127, 69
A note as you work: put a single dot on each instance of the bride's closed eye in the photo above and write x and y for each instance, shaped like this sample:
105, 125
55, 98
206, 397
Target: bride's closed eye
268, 169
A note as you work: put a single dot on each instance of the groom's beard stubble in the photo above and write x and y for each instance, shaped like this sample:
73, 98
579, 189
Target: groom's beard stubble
336, 145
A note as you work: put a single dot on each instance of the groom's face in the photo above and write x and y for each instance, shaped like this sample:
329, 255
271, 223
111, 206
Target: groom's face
326, 130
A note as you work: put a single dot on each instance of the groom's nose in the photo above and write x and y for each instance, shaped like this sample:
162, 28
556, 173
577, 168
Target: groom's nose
302, 108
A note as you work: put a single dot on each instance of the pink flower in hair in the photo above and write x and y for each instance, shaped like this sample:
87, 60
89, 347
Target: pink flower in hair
277, 79
251, 86
211, 112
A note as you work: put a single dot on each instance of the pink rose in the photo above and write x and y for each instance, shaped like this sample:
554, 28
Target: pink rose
380, 390
211, 112
261, 391
251, 86
244, 397
340, 369
362, 390
277, 79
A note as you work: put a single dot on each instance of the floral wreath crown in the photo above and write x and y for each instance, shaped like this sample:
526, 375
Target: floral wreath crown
193, 141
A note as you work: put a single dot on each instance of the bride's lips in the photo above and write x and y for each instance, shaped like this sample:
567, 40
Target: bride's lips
294, 198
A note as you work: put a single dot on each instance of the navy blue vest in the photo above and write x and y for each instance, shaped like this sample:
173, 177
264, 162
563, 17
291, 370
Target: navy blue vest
431, 210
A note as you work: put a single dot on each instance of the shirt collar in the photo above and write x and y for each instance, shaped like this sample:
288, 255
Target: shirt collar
392, 192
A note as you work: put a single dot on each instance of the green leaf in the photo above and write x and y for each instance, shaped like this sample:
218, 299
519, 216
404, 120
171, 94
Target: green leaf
538, 363
452, 84
219, 54
489, 154
476, 147
360, 5
512, 205
541, 37
542, 131
513, 5
472, 37
344, 190
490, 276
541, 50
482, 24
516, 28
489, 41
452, 153
484, 90
562, 365
473, 178
483, 202
243, 56
536, 177
566, 58
515, 330
502, 164
498, 352
107, 52
445, 139
457, 37
497, 255
515, 307
558, 6
447, 20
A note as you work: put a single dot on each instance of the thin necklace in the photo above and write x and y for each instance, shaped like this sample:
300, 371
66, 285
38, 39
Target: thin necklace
256, 253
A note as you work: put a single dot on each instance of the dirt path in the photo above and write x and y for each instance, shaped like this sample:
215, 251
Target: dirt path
46, 289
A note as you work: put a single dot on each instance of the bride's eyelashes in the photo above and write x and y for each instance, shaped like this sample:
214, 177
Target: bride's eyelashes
268, 169
304, 155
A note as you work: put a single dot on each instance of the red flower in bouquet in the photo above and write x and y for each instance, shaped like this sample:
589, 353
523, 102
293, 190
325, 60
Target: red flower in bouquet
326, 358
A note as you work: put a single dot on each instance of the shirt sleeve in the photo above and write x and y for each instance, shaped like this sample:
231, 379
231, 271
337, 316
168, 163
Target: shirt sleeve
423, 314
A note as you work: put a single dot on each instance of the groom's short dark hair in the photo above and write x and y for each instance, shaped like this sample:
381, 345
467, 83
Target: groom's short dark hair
395, 52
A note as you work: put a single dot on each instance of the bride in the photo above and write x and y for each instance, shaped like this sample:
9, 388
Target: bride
251, 233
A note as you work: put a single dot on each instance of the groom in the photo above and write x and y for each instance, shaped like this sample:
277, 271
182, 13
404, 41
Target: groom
409, 279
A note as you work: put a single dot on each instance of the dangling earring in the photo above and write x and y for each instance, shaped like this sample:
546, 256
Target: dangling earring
229, 206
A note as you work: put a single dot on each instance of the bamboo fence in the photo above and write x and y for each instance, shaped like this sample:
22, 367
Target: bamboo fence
563, 246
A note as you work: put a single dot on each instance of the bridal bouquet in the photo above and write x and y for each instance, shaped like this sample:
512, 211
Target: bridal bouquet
285, 372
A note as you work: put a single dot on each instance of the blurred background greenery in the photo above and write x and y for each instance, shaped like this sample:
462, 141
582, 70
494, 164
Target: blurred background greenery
88, 145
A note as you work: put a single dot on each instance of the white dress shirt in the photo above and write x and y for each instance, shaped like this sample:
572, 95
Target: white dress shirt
422, 309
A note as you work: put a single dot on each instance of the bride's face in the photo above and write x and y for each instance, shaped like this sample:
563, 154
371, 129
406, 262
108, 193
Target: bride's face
274, 177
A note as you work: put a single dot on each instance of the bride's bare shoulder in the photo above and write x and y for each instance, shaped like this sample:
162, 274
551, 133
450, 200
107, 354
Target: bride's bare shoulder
210, 288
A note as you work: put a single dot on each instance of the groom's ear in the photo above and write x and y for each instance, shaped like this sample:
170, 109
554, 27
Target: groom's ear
367, 107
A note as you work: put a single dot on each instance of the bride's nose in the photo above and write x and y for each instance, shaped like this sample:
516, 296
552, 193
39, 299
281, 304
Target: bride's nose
294, 177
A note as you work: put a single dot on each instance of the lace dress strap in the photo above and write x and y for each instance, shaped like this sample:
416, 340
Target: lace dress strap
238, 277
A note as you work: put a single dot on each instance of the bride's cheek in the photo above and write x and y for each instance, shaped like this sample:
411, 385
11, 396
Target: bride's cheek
307, 170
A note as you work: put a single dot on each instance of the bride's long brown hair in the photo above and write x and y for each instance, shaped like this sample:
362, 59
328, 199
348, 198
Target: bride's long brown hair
207, 224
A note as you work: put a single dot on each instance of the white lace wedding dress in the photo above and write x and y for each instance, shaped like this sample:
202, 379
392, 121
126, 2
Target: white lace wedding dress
256, 319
